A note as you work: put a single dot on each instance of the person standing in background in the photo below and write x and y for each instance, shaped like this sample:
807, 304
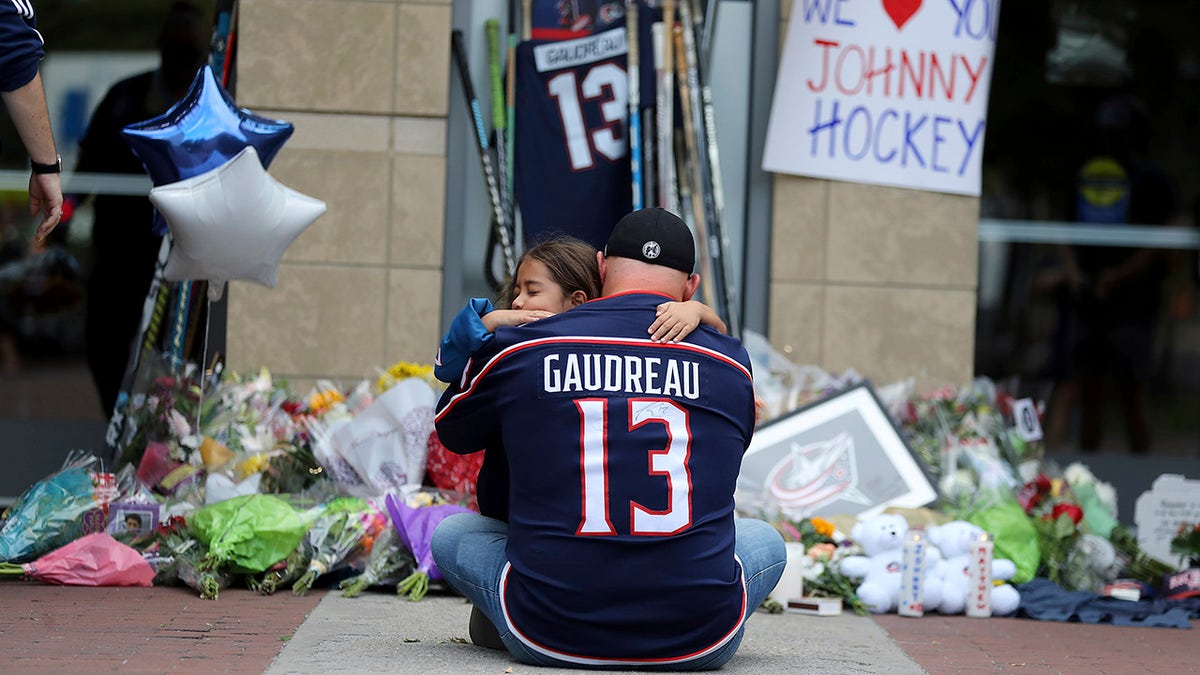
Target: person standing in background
124, 242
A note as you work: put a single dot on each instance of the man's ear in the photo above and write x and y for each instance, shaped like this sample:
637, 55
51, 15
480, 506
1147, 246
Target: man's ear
602, 265
689, 289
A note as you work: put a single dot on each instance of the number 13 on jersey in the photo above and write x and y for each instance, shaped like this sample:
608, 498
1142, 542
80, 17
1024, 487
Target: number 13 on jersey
670, 462
607, 86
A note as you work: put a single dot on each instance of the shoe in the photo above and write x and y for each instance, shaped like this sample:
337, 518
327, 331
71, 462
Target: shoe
483, 633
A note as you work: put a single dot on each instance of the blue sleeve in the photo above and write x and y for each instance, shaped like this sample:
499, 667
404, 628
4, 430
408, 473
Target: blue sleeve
20, 47
466, 335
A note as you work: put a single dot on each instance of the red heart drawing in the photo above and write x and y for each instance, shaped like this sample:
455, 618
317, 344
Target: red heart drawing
901, 10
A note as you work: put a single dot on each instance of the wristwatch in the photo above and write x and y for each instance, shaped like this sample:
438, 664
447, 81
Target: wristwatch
56, 167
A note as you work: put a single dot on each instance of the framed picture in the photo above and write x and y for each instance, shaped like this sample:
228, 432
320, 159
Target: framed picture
132, 517
840, 455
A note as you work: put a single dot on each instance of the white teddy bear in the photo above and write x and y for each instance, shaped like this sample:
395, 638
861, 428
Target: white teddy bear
954, 539
882, 540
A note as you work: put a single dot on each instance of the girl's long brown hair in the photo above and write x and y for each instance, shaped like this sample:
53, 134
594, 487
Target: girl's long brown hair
571, 263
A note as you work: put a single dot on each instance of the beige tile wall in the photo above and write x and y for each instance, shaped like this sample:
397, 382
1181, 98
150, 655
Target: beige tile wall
874, 278
365, 82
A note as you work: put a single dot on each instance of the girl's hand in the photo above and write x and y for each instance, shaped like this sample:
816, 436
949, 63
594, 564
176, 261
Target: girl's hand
512, 317
674, 321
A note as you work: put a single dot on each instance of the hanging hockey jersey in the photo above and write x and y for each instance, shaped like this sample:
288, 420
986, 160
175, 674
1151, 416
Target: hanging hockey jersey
568, 19
623, 454
572, 149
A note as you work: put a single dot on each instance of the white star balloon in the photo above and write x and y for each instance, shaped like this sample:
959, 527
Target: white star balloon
233, 222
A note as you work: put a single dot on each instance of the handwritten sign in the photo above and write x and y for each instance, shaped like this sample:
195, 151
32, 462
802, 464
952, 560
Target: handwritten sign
887, 92
1171, 501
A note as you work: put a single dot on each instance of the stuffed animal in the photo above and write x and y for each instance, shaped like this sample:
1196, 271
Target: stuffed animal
881, 538
954, 539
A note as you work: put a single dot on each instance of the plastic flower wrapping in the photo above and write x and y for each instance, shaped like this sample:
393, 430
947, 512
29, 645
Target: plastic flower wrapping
344, 527
387, 563
247, 534
56, 510
415, 526
92, 560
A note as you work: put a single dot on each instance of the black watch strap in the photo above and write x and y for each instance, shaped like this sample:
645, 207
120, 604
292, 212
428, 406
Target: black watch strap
56, 167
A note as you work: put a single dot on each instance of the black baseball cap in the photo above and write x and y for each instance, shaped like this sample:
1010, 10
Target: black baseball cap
655, 236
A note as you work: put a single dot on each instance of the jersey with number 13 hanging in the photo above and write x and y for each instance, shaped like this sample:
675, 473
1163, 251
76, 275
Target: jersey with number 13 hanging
572, 148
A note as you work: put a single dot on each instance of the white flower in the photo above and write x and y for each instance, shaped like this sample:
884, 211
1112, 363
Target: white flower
1078, 474
811, 569
957, 484
178, 424
1107, 494
192, 443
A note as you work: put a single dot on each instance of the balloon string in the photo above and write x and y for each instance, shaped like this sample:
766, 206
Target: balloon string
204, 359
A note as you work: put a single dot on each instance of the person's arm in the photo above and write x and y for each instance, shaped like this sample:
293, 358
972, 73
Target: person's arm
23, 96
513, 317
676, 320
472, 329
27, 107
466, 335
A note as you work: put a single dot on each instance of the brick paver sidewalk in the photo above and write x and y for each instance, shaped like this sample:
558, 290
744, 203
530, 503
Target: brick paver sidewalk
959, 644
56, 629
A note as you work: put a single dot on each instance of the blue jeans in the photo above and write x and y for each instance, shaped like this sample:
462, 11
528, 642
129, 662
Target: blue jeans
469, 550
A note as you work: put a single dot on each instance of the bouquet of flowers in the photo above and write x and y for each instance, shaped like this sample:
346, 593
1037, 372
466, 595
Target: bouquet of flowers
346, 526
1186, 543
54, 511
402, 370
178, 556
170, 407
243, 535
415, 527
968, 439
92, 560
280, 574
387, 563
824, 549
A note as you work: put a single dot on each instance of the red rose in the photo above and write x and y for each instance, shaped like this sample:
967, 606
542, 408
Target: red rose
1029, 496
1043, 483
1075, 513
1004, 404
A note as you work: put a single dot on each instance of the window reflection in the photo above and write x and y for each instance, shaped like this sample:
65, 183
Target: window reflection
1092, 134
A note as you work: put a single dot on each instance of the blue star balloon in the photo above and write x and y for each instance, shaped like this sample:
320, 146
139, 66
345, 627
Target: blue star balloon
201, 132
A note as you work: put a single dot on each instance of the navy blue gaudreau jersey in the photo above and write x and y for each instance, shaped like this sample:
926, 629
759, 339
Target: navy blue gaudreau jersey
623, 455
571, 157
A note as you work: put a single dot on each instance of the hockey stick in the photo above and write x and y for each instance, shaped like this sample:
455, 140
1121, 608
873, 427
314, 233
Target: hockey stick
635, 113
510, 103
695, 183
499, 128
715, 191
701, 171
481, 144
665, 109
